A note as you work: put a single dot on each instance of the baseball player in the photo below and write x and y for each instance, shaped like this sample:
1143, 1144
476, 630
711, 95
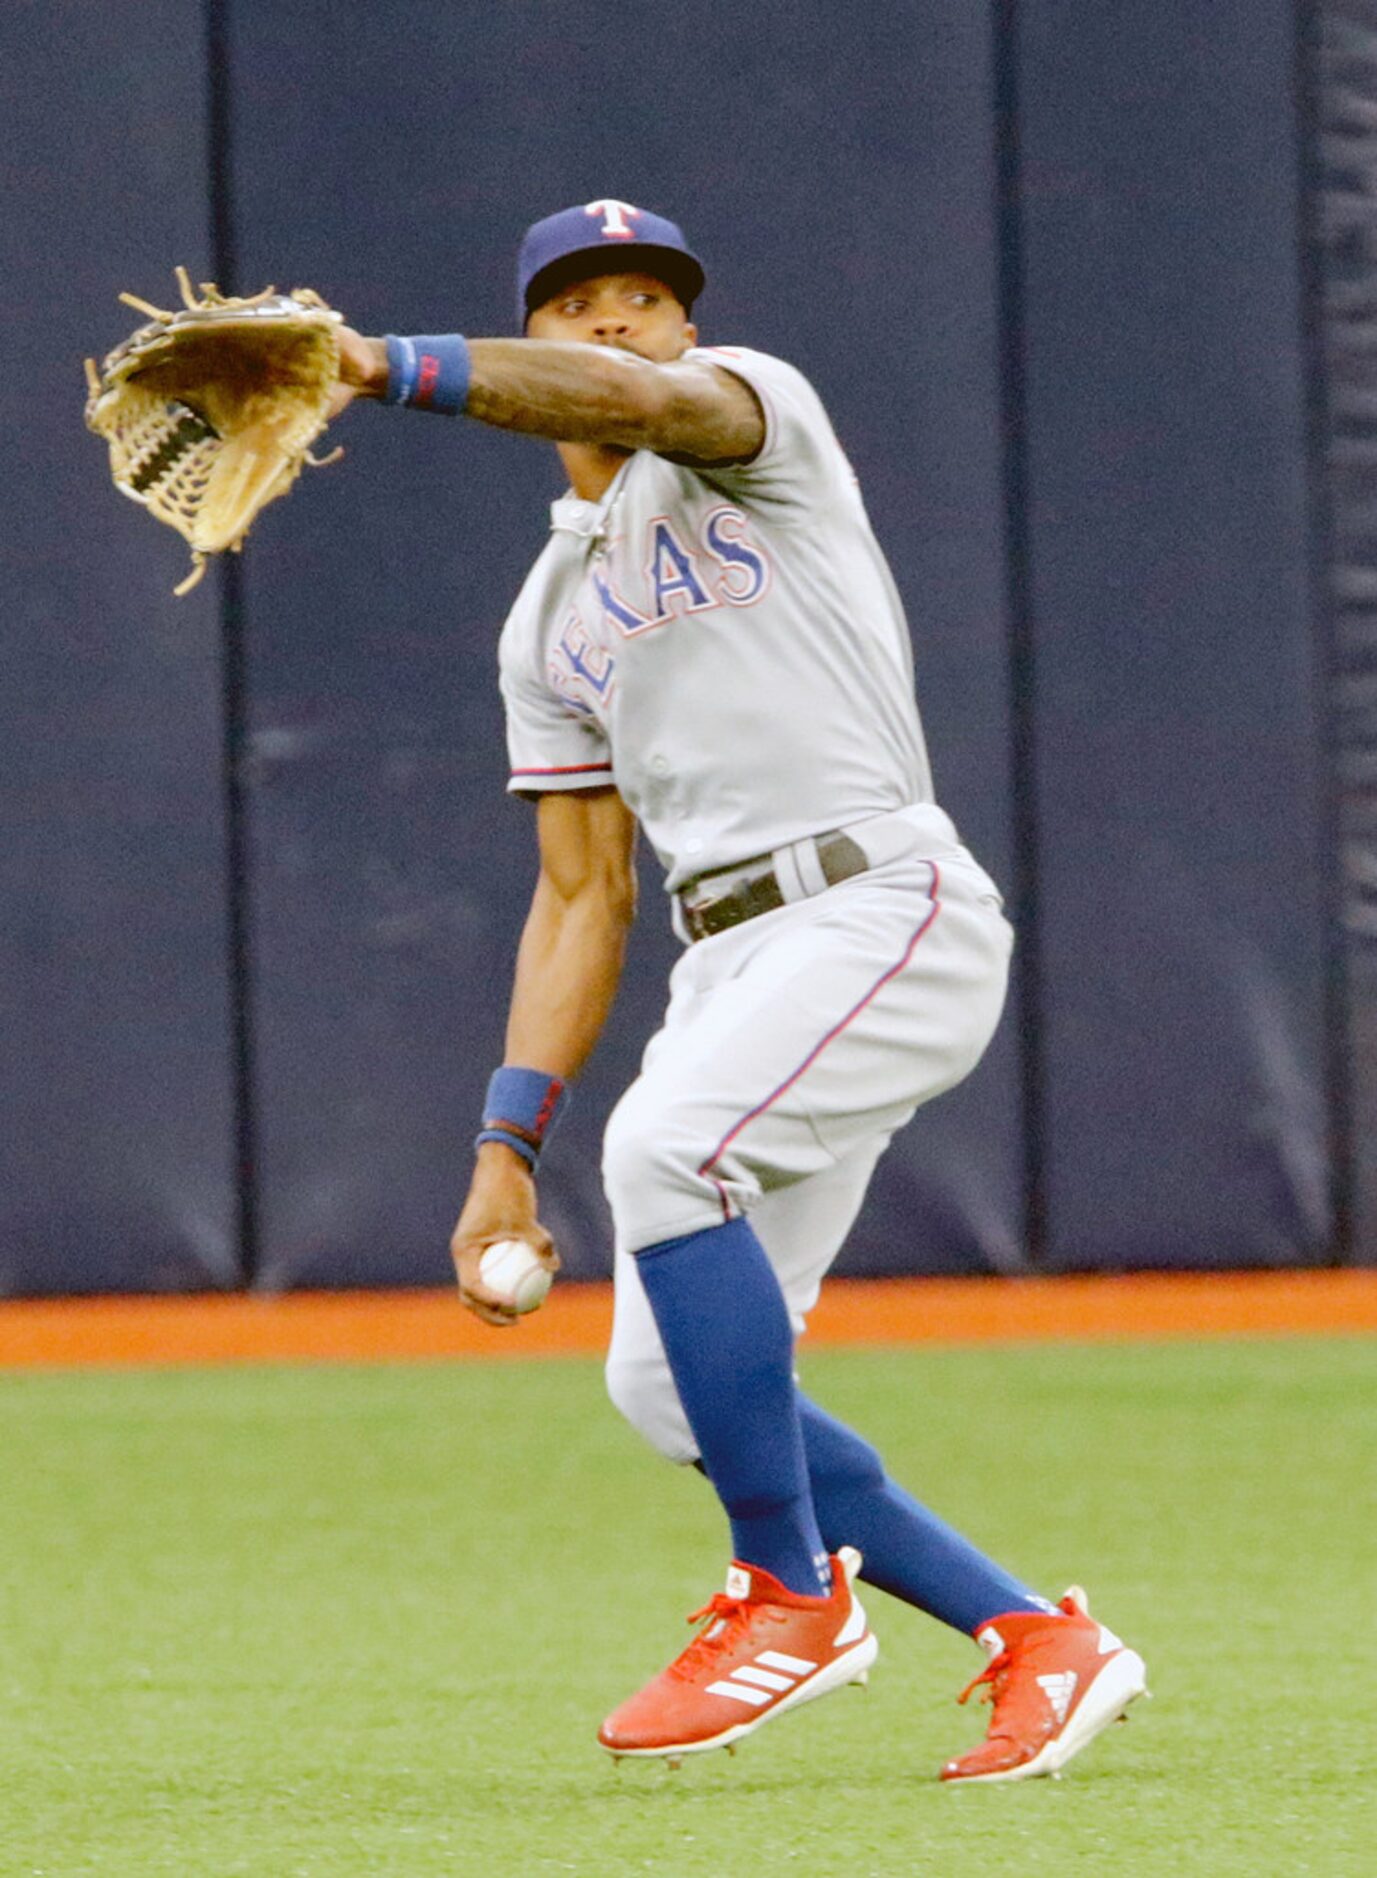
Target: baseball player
711, 645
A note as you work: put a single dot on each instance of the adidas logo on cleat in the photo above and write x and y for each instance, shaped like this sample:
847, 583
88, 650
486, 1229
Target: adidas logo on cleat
1059, 1690
755, 1685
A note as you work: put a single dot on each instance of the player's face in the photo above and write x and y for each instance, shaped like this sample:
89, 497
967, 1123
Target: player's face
633, 311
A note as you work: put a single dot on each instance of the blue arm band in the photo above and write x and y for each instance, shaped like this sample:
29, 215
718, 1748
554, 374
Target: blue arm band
429, 372
520, 1109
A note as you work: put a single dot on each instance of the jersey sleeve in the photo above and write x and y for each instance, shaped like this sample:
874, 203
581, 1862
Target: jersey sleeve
550, 746
800, 465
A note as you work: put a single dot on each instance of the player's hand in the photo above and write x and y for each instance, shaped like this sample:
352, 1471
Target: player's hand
362, 369
501, 1205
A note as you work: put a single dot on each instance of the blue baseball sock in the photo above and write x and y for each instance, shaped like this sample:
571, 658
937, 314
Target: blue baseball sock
726, 1333
908, 1551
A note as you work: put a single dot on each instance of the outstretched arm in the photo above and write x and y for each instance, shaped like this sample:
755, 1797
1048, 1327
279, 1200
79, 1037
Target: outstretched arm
573, 393
567, 970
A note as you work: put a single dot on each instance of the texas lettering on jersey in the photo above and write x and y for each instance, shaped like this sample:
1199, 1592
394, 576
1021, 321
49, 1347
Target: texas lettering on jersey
583, 674
723, 566
720, 566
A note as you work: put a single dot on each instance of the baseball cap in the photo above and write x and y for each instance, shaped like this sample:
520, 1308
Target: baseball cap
631, 240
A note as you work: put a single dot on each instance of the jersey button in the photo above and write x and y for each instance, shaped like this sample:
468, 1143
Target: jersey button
660, 765
693, 845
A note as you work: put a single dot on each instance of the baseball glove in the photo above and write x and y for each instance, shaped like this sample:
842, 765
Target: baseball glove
210, 412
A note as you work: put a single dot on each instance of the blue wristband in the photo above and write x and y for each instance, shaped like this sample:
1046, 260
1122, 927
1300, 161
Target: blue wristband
429, 372
528, 1154
521, 1109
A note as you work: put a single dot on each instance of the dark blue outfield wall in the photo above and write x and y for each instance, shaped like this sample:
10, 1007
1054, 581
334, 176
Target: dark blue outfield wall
1176, 772
839, 172
116, 1158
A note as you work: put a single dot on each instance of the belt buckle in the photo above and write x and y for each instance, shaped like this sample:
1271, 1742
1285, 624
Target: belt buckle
733, 883
698, 912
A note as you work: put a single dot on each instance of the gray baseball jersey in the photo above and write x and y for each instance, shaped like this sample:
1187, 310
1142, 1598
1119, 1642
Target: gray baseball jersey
727, 645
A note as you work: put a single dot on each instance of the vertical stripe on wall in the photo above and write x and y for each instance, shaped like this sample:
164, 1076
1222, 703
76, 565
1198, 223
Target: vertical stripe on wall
1336, 79
1027, 971
234, 674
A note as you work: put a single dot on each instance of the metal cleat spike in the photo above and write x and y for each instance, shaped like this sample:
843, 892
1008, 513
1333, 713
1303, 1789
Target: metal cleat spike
674, 1762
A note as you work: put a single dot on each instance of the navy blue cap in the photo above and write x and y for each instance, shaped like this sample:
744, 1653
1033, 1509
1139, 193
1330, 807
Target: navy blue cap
576, 243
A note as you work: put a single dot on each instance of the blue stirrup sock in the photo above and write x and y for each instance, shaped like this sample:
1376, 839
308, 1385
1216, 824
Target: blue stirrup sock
907, 1550
726, 1333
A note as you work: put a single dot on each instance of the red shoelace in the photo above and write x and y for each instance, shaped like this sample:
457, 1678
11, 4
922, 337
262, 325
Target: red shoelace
726, 1617
995, 1674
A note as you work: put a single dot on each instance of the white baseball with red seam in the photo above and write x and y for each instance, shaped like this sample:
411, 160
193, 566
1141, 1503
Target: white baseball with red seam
511, 1268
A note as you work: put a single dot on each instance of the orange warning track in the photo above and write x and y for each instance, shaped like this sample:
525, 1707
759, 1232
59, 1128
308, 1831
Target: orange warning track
388, 1326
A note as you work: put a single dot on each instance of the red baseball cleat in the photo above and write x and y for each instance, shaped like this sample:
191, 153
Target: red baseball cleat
765, 1650
1056, 1682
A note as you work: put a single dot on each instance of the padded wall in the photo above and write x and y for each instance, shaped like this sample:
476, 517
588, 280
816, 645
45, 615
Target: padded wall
1177, 739
835, 169
115, 1132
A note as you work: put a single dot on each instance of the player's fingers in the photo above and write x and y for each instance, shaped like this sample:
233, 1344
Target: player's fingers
543, 1246
490, 1305
500, 1317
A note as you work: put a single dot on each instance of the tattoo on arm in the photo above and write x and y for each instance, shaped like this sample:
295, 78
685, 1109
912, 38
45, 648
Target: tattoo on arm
597, 394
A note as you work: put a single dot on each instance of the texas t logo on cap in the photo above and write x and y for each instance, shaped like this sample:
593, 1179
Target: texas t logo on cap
614, 216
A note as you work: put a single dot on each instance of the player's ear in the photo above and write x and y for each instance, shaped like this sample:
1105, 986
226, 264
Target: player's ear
690, 333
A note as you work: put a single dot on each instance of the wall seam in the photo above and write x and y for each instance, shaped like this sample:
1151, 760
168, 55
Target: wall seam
1337, 1069
1018, 569
233, 687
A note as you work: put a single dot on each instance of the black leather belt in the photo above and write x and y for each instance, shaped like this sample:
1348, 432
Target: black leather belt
716, 901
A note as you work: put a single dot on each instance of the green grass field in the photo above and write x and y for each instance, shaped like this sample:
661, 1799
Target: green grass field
365, 1621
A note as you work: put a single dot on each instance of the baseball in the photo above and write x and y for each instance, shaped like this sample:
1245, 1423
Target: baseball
511, 1267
